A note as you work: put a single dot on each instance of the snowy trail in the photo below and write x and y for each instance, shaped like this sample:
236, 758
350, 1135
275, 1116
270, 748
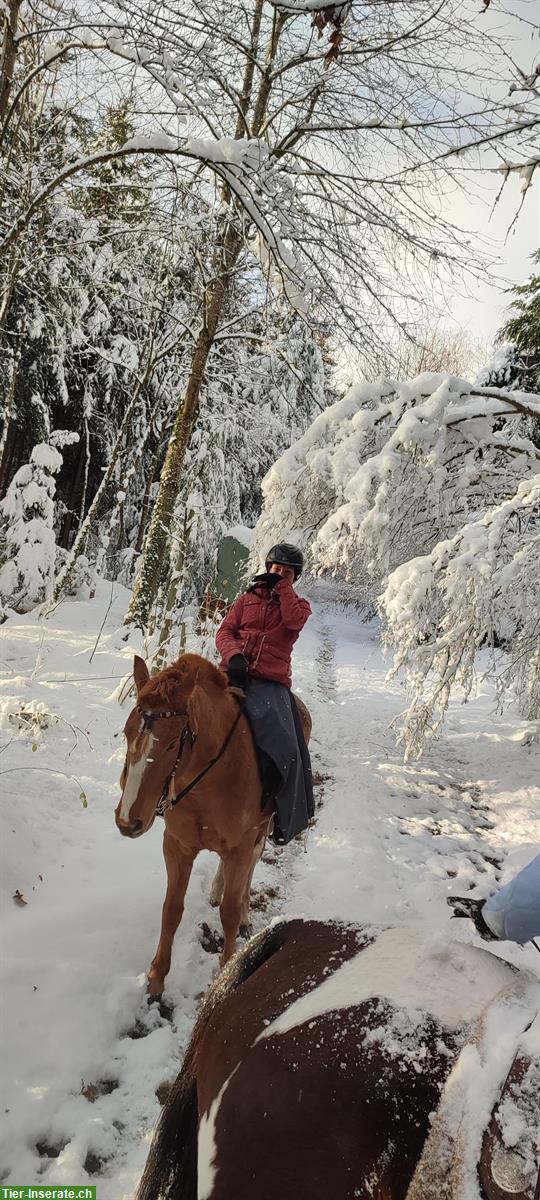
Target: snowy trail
393, 840
83, 1057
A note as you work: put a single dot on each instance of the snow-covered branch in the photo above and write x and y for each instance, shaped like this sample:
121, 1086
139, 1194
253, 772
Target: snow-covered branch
391, 468
428, 490
476, 590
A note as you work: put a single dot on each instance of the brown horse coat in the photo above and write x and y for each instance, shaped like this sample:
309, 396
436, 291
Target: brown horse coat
316, 1066
222, 812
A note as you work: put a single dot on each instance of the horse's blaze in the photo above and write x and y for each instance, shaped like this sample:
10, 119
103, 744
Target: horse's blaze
134, 777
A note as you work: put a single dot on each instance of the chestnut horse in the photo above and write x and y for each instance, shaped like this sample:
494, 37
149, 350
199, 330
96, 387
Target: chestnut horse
191, 758
337, 1061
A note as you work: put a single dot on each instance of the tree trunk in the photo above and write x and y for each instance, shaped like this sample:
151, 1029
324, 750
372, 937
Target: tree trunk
8, 450
156, 545
265, 87
81, 538
226, 256
153, 477
163, 651
9, 55
95, 508
75, 512
9, 435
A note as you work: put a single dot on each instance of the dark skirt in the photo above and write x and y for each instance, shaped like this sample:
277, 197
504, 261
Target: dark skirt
283, 756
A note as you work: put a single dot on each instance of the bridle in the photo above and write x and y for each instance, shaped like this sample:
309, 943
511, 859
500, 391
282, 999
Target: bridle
187, 735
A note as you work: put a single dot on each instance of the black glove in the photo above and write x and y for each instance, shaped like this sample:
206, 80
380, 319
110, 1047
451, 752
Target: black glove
464, 907
237, 671
267, 579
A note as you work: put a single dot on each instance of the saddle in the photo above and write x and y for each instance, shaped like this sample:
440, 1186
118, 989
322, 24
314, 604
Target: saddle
503, 1160
504, 1171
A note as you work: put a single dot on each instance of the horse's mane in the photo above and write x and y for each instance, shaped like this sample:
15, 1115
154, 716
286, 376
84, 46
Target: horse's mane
180, 678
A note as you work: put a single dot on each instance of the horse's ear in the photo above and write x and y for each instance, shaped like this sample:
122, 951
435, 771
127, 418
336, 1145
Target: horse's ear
140, 672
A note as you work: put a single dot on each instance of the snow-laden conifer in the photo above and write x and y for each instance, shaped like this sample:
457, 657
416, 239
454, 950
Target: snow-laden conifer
28, 547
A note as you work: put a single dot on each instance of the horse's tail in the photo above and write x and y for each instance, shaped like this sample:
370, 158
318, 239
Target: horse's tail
171, 1168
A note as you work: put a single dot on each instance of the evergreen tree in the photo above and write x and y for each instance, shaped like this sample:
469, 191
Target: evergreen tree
27, 547
503, 370
523, 328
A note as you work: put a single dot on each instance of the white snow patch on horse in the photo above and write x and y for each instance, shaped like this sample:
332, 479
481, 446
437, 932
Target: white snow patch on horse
441, 979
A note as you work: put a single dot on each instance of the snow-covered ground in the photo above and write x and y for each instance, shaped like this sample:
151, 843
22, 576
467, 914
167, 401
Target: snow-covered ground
82, 1057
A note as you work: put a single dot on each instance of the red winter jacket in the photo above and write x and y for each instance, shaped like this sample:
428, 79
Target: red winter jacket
263, 625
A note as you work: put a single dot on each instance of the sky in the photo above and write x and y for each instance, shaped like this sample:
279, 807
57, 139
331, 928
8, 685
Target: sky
481, 308
502, 226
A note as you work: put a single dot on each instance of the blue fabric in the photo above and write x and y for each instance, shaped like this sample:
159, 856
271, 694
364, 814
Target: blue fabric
276, 727
513, 913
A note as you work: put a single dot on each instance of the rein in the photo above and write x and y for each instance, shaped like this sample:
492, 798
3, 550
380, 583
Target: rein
163, 805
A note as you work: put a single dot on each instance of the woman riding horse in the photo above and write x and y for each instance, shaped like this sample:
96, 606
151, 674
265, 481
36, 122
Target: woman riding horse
255, 642
190, 757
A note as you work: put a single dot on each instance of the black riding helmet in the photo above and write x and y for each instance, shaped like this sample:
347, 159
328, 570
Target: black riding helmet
287, 556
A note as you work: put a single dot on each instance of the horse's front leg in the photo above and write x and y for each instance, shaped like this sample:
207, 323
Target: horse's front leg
245, 924
179, 866
237, 870
216, 891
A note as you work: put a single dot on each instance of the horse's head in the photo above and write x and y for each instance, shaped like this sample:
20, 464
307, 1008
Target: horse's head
153, 731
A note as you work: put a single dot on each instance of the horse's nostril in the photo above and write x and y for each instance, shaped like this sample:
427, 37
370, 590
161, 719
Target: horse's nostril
136, 826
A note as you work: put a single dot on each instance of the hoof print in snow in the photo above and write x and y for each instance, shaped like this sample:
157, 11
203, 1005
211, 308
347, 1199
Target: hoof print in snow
319, 781
47, 1149
210, 939
138, 1030
162, 1091
93, 1164
261, 901
103, 1087
272, 857
493, 861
